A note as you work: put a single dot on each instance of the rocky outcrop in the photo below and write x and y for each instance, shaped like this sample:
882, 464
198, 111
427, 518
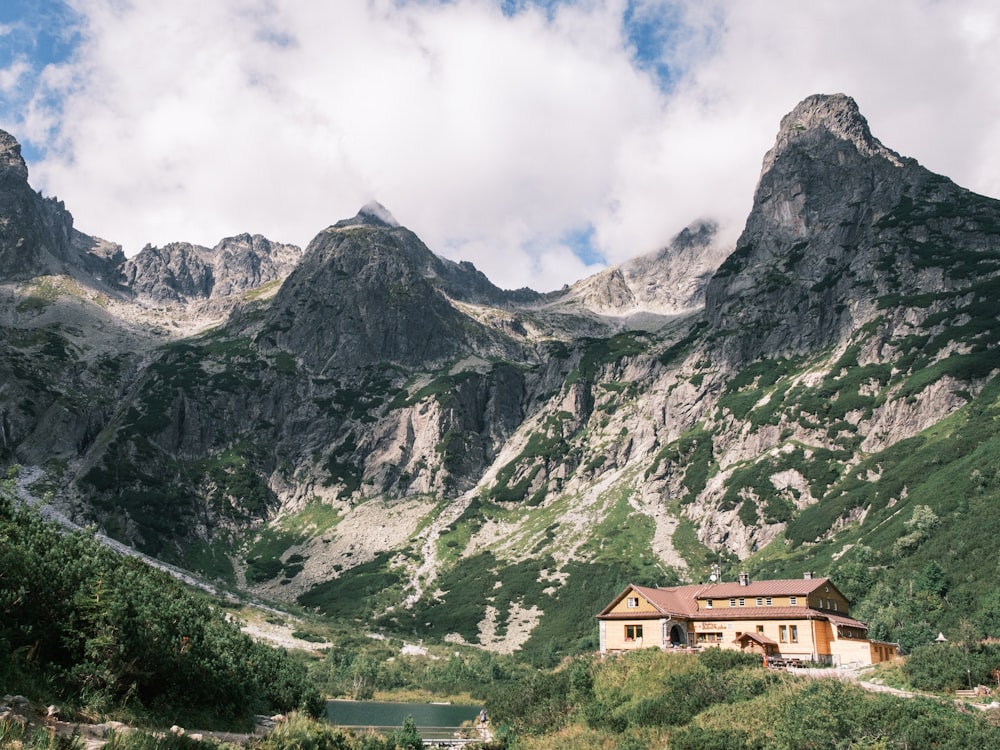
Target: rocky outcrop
181, 272
668, 282
367, 292
34, 232
838, 221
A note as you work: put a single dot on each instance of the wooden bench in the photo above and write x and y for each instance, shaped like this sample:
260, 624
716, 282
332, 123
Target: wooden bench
780, 663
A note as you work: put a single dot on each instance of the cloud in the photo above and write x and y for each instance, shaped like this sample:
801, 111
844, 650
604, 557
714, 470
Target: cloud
495, 130
11, 76
193, 120
920, 71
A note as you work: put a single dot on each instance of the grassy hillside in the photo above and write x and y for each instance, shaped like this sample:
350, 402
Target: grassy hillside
924, 558
721, 700
94, 631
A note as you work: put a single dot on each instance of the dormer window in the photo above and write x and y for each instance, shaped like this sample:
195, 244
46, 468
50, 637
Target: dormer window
768, 601
743, 602
732, 602
632, 602
708, 604
793, 601
759, 601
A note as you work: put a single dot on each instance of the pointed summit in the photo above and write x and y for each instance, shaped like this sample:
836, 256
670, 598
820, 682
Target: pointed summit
372, 214
830, 232
820, 116
11, 161
375, 210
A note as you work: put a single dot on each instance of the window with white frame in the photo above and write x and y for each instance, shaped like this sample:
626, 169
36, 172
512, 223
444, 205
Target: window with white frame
632, 602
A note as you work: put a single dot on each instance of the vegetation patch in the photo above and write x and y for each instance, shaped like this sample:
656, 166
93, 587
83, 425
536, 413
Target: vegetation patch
599, 352
462, 606
358, 595
263, 558
544, 447
341, 467
691, 453
442, 388
237, 490
116, 633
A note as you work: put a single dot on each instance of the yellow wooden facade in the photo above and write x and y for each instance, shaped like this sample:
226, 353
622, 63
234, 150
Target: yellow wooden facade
811, 624
794, 638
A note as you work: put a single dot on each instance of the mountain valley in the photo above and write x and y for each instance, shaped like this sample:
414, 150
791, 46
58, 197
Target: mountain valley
381, 435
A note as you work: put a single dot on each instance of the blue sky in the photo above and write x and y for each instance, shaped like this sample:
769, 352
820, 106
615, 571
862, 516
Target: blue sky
542, 140
36, 33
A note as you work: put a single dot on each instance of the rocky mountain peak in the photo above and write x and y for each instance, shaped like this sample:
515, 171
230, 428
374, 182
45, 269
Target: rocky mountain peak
831, 201
372, 214
180, 271
668, 282
35, 232
820, 116
359, 298
11, 162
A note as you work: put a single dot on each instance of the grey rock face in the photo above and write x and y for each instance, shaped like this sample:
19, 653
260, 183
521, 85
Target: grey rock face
34, 231
247, 261
369, 293
838, 221
181, 271
670, 281
12, 165
171, 273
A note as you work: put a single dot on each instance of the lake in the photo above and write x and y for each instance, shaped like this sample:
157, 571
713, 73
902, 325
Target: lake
388, 716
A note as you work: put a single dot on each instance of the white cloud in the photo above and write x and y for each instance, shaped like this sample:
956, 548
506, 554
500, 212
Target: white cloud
12, 75
490, 136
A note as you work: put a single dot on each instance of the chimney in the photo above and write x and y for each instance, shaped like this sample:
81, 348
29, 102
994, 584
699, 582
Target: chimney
744, 579
808, 575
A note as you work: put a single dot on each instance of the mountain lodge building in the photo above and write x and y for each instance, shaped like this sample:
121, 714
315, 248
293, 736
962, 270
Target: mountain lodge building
805, 619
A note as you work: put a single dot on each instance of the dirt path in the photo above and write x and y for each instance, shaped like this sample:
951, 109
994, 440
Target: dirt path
856, 676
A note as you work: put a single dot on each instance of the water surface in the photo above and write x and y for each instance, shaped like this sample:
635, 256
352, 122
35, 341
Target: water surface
388, 716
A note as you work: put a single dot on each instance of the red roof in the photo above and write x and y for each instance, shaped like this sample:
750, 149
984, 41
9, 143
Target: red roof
681, 602
848, 621
780, 587
676, 601
759, 637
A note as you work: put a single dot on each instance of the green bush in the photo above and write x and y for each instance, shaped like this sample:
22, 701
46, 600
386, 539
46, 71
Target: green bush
944, 667
107, 630
696, 738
